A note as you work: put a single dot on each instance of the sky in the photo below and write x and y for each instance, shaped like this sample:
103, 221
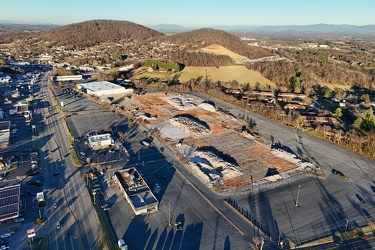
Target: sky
192, 13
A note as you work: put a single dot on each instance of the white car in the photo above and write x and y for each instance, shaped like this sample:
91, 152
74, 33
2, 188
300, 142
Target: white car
5, 235
55, 205
58, 225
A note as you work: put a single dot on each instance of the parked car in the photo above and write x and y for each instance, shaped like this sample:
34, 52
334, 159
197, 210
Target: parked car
339, 174
5, 235
19, 219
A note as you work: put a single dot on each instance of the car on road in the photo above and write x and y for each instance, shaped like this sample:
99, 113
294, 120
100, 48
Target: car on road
55, 205
58, 225
157, 185
82, 153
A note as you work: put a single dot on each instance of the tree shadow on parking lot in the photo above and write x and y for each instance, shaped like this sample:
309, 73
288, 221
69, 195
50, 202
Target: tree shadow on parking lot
227, 243
267, 220
138, 233
331, 209
113, 199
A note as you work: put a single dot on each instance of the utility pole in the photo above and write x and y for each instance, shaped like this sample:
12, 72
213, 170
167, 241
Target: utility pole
299, 188
206, 85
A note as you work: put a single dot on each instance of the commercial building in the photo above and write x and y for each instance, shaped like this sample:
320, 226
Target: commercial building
68, 78
103, 88
9, 202
100, 141
136, 191
4, 133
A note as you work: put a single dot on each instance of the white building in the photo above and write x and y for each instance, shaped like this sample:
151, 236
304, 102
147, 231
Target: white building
69, 78
103, 88
100, 141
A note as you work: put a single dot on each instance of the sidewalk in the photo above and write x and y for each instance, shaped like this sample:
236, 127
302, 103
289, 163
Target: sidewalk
366, 230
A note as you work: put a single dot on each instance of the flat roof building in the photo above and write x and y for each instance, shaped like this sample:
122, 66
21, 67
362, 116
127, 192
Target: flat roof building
4, 133
100, 141
9, 202
136, 191
103, 88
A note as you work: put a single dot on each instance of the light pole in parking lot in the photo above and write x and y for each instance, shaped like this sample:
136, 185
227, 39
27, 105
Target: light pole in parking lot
94, 193
299, 188
169, 215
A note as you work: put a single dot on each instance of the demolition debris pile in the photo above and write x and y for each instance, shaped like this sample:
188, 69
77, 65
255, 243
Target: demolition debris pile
191, 124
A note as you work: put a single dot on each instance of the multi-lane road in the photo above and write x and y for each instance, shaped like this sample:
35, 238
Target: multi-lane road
63, 183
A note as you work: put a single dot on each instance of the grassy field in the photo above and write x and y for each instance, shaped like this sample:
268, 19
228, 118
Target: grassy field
226, 73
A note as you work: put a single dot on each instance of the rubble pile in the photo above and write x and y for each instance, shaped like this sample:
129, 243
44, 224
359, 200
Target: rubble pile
280, 153
215, 160
194, 126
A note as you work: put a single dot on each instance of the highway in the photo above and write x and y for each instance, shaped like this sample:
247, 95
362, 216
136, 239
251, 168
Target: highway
79, 226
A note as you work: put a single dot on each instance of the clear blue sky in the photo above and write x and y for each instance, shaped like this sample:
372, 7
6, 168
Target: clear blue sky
193, 13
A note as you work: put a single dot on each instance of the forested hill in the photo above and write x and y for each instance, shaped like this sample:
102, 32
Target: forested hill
207, 36
89, 33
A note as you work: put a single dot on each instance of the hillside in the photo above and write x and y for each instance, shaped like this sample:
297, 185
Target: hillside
89, 33
205, 37
224, 74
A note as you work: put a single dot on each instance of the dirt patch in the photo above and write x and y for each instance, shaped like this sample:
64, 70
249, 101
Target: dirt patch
220, 50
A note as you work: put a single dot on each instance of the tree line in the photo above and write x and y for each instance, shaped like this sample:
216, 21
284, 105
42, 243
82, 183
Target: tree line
164, 65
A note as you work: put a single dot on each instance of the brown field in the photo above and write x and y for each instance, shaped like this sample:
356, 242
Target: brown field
220, 50
7, 45
253, 158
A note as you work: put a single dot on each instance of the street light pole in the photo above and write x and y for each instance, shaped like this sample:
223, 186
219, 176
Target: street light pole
346, 226
169, 215
299, 188
94, 193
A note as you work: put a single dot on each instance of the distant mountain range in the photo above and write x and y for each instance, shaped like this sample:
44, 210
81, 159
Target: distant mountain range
175, 28
315, 28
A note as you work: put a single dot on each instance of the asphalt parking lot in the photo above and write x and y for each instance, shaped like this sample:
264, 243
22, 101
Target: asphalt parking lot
74, 100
